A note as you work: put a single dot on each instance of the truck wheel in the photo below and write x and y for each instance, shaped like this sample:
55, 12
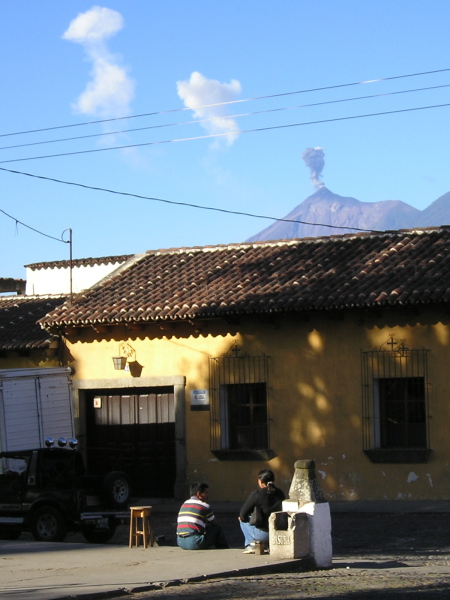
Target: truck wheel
99, 536
48, 525
116, 490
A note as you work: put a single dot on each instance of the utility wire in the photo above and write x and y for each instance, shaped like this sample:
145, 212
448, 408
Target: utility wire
33, 229
187, 204
233, 116
266, 97
216, 135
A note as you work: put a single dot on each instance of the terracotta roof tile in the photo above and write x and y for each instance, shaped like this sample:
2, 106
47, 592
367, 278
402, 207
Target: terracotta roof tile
332, 273
80, 262
19, 329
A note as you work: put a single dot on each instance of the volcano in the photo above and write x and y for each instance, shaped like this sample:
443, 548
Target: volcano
325, 213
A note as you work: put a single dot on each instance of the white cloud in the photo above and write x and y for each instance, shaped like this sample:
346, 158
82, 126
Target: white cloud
200, 91
96, 24
110, 91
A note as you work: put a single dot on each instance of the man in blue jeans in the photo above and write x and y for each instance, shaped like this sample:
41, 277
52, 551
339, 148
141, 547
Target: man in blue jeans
196, 525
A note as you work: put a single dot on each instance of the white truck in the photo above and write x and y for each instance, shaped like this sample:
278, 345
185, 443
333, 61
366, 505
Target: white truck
45, 489
35, 404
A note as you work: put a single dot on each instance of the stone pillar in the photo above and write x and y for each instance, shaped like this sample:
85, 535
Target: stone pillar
305, 498
304, 487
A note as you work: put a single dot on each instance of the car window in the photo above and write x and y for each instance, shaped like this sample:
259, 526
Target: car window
11, 467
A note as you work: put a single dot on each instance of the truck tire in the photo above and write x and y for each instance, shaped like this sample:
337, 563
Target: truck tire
116, 489
48, 524
99, 536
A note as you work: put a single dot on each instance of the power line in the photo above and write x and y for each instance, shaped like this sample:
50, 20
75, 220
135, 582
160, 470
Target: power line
266, 97
216, 135
187, 204
33, 229
233, 116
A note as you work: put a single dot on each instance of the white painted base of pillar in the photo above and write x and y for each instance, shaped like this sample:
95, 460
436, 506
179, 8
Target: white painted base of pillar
320, 543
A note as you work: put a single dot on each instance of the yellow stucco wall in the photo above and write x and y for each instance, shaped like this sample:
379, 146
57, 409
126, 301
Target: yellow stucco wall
315, 398
34, 360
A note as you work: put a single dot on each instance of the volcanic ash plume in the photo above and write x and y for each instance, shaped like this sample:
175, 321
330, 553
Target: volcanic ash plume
314, 160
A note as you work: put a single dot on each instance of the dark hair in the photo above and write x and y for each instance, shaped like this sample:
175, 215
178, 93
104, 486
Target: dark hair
266, 476
198, 487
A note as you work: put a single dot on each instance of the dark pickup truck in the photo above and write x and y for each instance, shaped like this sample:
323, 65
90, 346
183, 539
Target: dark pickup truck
48, 492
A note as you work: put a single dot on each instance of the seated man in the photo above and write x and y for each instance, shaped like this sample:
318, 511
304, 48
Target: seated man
197, 528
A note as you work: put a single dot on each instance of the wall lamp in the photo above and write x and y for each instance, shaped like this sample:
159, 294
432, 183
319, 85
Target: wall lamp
119, 362
126, 353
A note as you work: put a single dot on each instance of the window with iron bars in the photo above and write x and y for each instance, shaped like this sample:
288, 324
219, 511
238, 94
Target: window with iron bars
239, 394
395, 403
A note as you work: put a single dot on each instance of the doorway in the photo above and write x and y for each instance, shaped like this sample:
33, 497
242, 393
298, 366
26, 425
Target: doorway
133, 430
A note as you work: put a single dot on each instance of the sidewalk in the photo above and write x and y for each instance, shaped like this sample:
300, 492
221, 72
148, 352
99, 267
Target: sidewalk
391, 506
44, 571
75, 569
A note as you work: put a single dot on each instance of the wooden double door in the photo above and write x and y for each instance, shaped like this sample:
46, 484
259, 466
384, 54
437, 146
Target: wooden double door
135, 433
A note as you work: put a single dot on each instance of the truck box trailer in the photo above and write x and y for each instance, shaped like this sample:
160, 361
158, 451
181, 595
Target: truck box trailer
35, 404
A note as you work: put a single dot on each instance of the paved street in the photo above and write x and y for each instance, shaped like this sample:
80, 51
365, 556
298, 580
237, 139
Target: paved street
372, 583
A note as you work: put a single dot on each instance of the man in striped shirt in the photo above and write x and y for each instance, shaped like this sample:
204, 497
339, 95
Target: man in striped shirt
196, 525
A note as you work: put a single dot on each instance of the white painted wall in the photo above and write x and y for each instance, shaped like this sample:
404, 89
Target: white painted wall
41, 282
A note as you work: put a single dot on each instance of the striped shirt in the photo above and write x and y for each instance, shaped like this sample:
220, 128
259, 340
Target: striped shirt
193, 517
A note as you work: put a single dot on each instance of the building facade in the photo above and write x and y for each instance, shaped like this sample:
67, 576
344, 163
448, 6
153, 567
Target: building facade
233, 358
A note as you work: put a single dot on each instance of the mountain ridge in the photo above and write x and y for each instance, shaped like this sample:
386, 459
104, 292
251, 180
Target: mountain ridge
326, 213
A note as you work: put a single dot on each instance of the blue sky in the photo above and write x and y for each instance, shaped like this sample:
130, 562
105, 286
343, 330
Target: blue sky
66, 63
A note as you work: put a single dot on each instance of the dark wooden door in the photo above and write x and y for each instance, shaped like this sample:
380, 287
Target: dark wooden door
134, 433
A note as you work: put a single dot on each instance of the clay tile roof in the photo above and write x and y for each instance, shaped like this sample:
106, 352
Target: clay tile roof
408, 267
80, 262
19, 329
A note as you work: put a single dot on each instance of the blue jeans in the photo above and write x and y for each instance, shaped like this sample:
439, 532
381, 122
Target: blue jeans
253, 534
214, 536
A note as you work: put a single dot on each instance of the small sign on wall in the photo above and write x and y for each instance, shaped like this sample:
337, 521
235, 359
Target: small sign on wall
200, 400
97, 402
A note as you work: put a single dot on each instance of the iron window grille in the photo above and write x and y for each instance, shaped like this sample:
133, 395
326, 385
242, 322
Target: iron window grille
240, 415
395, 407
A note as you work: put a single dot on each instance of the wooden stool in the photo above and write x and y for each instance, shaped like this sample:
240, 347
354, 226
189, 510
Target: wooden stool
141, 528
